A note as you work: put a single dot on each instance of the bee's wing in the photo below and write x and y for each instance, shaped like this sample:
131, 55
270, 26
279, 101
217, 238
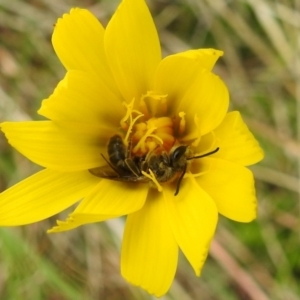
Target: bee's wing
104, 172
107, 172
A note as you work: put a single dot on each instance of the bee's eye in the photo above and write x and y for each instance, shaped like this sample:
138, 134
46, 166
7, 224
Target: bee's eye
177, 154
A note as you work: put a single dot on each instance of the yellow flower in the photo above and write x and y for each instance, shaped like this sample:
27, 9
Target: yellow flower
168, 131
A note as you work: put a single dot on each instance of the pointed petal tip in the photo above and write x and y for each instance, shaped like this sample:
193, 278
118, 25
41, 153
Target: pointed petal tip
235, 197
236, 141
198, 268
78, 42
247, 219
198, 272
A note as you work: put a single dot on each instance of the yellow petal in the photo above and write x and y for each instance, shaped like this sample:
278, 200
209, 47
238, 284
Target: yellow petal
132, 48
59, 146
78, 40
193, 216
175, 73
149, 250
231, 186
207, 98
109, 199
236, 142
83, 97
42, 195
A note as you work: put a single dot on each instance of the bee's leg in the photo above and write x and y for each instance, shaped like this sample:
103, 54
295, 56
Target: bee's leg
115, 169
132, 167
129, 147
179, 180
144, 166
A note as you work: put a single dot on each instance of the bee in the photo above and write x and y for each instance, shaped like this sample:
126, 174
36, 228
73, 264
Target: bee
166, 167
125, 168
121, 166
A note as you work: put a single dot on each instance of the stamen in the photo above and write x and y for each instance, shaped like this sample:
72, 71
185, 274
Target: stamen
157, 138
143, 107
129, 107
152, 177
131, 123
128, 116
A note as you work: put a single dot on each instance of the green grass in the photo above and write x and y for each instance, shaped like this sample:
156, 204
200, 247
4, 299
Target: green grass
261, 67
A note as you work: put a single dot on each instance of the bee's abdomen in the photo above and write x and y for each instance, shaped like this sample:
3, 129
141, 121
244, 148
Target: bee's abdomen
116, 150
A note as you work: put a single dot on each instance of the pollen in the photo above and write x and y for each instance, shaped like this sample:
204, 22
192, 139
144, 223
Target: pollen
145, 129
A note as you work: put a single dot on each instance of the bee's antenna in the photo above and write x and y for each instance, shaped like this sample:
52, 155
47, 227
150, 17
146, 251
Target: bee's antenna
203, 155
185, 167
179, 180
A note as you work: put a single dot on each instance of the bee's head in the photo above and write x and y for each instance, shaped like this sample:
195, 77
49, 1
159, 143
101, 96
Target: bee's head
178, 157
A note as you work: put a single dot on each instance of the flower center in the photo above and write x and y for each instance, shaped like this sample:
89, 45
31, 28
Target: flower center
153, 148
148, 128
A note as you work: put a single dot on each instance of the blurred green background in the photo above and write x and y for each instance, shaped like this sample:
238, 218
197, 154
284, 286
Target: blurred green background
261, 66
